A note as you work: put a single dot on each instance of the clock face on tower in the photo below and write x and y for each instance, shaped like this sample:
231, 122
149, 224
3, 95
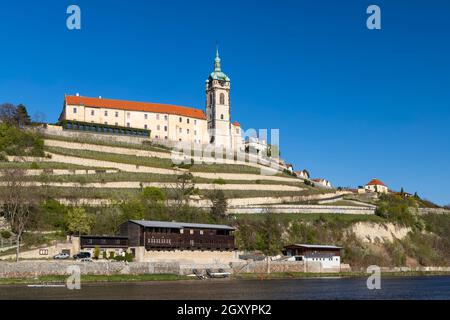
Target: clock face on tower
222, 83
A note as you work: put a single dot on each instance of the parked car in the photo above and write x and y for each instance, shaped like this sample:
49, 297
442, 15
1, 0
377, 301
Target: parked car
61, 256
86, 260
81, 255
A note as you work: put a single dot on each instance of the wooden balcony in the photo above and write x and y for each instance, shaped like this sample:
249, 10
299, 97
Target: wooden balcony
188, 242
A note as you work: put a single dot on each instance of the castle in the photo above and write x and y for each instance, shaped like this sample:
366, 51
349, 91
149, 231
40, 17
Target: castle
161, 121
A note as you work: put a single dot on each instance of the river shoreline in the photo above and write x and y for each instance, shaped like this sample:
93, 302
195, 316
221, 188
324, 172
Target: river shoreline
118, 278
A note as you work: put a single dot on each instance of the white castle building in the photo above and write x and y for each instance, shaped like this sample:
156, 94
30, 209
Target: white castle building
161, 121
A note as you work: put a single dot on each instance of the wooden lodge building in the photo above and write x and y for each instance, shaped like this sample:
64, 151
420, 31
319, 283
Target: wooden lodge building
169, 241
161, 235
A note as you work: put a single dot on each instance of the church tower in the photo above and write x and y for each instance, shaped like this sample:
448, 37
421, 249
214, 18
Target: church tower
218, 106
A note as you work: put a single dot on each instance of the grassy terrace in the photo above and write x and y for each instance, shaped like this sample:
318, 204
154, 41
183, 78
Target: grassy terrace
101, 142
140, 177
152, 161
124, 193
311, 217
43, 165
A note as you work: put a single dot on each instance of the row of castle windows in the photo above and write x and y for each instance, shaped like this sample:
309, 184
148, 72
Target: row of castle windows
129, 115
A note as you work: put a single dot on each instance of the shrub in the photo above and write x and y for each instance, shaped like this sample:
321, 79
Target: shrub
34, 166
111, 255
5, 234
96, 252
17, 142
104, 255
219, 181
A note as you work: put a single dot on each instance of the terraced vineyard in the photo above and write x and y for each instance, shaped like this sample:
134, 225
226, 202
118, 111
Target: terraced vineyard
86, 168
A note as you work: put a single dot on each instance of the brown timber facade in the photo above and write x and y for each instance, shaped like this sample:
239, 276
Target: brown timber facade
158, 235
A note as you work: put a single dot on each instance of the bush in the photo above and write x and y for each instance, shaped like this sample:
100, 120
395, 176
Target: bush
34, 166
104, 255
219, 181
128, 257
5, 234
111, 255
96, 252
17, 142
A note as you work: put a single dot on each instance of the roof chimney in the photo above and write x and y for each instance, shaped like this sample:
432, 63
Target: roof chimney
99, 97
77, 94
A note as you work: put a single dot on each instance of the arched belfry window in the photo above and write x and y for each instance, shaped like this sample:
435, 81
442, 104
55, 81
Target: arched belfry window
222, 98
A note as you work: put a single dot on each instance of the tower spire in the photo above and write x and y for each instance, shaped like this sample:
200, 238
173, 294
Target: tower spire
217, 66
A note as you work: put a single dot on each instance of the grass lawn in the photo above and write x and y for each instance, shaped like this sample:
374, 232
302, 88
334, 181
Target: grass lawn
61, 279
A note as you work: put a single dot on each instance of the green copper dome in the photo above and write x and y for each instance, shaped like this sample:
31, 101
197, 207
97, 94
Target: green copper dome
218, 74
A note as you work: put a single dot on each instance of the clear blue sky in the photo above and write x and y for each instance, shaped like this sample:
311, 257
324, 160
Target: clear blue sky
351, 104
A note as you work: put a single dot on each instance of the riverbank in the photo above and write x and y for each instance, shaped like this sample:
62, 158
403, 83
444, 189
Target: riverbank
336, 288
117, 278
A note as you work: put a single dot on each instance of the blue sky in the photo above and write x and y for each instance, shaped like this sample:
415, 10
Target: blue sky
351, 103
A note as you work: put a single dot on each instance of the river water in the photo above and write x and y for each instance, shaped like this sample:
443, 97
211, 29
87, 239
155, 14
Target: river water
427, 287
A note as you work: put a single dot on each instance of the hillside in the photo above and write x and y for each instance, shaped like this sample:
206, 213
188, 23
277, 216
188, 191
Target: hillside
84, 167
92, 183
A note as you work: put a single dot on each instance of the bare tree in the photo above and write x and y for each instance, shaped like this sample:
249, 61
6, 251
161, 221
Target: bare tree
8, 114
18, 202
183, 188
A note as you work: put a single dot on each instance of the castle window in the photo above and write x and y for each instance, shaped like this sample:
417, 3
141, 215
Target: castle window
145, 126
181, 120
187, 120
128, 124
195, 121
74, 110
106, 113
145, 116
221, 116
157, 117
128, 115
92, 112
116, 124
181, 130
158, 127
187, 131
222, 98
117, 114
165, 117
165, 128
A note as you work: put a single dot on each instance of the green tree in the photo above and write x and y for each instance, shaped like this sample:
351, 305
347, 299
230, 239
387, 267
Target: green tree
132, 209
22, 117
78, 221
271, 242
218, 204
153, 195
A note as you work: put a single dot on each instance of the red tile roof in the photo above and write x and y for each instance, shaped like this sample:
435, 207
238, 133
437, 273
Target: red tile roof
236, 124
135, 106
376, 182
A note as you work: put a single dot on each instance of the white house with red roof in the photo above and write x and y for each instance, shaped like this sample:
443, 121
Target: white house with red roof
376, 185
